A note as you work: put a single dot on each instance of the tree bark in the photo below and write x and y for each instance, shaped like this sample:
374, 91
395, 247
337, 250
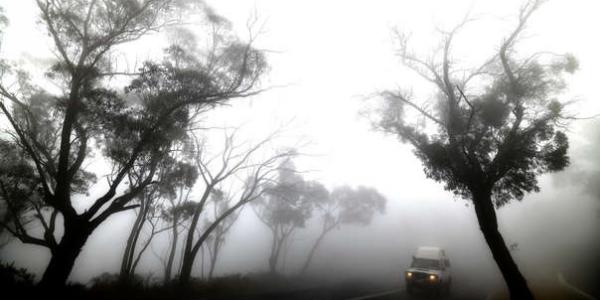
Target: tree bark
64, 255
488, 223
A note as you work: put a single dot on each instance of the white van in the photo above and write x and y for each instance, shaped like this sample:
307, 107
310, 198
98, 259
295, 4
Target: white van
429, 270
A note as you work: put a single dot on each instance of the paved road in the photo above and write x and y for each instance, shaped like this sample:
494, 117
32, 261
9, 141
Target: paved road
400, 294
381, 295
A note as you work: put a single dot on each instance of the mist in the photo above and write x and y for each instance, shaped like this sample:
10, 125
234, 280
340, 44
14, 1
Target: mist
323, 194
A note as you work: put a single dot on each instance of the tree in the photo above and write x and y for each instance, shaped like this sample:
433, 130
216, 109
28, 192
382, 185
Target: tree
178, 208
234, 161
146, 214
286, 206
220, 202
496, 129
133, 131
174, 176
345, 206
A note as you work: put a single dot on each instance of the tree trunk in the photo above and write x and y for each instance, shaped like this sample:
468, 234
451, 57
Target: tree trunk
188, 253
488, 223
186, 268
213, 257
191, 252
169, 267
275, 251
312, 252
126, 261
64, 255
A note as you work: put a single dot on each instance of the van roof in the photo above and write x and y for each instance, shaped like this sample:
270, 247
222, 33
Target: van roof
429, 252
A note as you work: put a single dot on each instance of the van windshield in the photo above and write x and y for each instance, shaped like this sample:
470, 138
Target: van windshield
425, 263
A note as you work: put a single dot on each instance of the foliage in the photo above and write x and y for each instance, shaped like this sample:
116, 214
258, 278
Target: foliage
290, 200
497, 127
357, 206
133, 131
11, 276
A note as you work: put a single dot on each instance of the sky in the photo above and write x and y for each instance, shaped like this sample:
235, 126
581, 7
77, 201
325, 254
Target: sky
328, 59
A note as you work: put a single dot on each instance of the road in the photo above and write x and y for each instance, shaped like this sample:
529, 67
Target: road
400, 294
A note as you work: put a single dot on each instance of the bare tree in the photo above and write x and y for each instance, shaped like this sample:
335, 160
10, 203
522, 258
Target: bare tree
233, 162
495, 128
54, 133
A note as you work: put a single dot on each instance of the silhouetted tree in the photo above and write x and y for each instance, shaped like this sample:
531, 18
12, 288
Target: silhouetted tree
495, 129
236, 160
174, 176
177, 209
286, 206
53, 134
220, 202
345, 206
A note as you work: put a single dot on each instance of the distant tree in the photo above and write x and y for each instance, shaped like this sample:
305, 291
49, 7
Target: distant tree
173, 176
220, 202
53, 134
345, 206
178, 213
177, 209
286, 206
235, 161
495, 129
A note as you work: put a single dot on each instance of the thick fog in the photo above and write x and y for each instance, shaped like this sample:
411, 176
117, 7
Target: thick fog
327, 61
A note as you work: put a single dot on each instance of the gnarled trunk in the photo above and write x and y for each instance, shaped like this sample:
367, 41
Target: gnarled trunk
64, 255
488, 223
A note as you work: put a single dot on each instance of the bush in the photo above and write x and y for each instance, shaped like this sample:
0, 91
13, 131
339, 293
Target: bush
10, 276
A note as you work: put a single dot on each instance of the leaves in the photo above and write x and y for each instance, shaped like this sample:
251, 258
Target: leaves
495, 133
358, 206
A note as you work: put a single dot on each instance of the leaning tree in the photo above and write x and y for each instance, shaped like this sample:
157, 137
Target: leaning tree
246, 168
220, 203
52, 132
496, 128
156, 204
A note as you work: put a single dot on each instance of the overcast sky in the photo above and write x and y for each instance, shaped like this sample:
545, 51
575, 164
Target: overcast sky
327, 59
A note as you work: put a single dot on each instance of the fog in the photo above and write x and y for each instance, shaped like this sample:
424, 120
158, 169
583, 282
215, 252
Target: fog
327, 62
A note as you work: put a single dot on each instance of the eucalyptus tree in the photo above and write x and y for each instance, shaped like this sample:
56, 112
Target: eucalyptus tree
220, 203
244, 166
496, 128
345, 206
286, 206
174, 176
54, 131
177, 208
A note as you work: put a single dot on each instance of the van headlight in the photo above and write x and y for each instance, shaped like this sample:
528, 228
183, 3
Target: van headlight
409, 275
432, 277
